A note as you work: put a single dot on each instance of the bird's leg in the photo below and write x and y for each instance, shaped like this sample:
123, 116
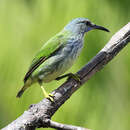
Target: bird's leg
63, 76
70, 75
49, 96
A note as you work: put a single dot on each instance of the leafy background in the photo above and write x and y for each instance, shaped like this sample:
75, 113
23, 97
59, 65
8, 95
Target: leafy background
101, 104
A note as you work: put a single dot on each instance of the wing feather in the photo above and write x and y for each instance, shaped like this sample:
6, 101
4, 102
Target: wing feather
39, 62
45, 52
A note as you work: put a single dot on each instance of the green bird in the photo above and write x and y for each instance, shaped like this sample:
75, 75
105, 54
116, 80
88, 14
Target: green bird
58, 54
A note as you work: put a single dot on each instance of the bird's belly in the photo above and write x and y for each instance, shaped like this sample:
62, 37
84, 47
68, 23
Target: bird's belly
57, 68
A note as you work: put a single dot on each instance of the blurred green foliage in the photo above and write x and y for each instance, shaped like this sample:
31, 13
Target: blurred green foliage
103, 103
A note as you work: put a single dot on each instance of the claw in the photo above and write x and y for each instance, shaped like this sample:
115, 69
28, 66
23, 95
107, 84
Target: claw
70, 75
50, 97
76, 77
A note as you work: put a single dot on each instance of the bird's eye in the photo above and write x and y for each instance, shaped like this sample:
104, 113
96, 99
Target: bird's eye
88, 23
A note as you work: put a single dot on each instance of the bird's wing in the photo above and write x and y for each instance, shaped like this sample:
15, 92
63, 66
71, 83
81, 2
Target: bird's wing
45, 52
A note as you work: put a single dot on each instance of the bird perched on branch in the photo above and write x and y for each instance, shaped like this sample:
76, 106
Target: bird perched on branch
58, 54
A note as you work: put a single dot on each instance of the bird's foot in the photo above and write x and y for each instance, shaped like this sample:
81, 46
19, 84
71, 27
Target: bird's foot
75, 76
70, 75
50, 97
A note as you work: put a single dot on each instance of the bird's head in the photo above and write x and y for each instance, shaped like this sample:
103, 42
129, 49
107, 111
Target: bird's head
82, 25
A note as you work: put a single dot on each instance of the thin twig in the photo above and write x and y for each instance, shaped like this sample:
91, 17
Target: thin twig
60, 126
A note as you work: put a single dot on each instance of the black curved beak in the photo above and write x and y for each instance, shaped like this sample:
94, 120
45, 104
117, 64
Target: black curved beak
100, 28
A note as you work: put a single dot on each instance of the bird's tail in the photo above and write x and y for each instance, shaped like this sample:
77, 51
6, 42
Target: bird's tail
27, 84
20, 93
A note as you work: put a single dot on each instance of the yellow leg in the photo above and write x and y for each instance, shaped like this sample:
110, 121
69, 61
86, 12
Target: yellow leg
50, 96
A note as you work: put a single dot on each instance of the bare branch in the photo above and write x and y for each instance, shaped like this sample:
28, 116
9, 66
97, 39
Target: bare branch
59, 126
39, 114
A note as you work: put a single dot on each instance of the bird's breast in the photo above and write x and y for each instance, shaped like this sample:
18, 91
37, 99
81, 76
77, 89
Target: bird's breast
72, 49
69, 53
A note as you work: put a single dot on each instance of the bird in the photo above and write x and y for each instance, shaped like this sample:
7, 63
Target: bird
58, 54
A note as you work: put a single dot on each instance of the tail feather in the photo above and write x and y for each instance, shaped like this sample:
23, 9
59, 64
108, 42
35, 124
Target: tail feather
27, 84
20, 93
